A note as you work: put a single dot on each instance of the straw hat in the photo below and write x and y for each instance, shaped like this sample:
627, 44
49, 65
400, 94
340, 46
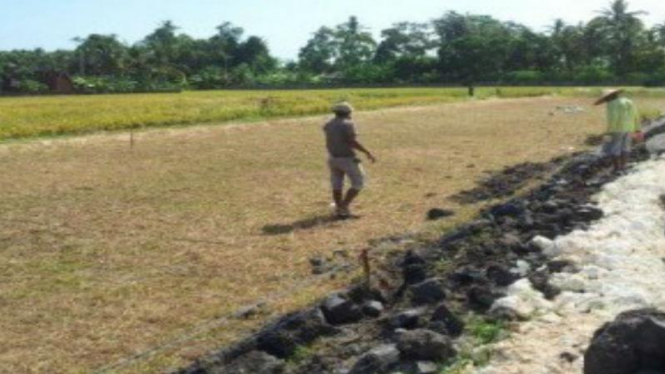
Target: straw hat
608, 94
342, 108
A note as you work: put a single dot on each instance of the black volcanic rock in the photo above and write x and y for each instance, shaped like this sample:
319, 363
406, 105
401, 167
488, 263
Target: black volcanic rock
634, 342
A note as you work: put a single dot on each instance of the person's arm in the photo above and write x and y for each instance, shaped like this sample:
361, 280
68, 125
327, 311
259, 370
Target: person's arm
355, 144
637, 125
637, 136
609, 118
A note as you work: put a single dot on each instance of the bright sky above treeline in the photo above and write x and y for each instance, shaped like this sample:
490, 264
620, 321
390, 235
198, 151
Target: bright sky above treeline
285, 24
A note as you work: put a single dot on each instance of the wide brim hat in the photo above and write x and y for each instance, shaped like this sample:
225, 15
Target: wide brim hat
343, 108
607, 94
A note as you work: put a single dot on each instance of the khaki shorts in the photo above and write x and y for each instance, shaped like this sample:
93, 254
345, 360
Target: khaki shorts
349, 166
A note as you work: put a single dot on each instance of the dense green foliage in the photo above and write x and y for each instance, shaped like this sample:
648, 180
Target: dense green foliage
615, 47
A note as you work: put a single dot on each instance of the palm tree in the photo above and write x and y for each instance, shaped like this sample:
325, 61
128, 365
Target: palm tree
557, 40
659, 30
622, 30
568, 43
81, 54
557, 27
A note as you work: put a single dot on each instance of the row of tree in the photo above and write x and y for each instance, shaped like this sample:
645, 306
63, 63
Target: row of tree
163, 60
616, 46
467, 48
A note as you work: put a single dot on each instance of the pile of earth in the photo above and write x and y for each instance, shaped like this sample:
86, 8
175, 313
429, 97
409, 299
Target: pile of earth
507, 182
411, 321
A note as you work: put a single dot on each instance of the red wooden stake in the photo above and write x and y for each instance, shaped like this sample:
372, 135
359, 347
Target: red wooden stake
364, 259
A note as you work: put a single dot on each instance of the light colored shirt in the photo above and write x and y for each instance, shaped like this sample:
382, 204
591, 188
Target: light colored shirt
622, 116
339, 133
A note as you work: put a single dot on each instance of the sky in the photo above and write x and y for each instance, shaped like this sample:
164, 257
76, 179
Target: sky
285, 24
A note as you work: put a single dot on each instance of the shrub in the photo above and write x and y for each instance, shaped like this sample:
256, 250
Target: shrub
524, 77
32, 87
655, 80
637, 78
105, 85
242, 75
208, 78
98, 85
593, 75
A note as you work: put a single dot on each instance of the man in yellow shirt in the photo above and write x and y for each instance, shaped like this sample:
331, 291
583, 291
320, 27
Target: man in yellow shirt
623, 121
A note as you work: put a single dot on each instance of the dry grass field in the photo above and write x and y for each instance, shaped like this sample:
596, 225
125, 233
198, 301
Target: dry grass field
107, 252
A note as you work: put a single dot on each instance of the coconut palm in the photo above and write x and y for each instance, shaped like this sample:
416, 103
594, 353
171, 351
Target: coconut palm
622, 30
567, 41
659, 31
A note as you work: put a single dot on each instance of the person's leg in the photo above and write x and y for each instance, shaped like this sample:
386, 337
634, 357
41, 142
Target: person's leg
337, 184
338, 198
627, 144
616, 164
623, 161
357, 178
351, 194
616, 150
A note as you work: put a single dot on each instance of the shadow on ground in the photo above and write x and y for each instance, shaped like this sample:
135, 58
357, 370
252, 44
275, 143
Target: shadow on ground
304, 224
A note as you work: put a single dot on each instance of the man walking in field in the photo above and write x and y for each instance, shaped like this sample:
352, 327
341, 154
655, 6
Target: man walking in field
342, 142
623, 124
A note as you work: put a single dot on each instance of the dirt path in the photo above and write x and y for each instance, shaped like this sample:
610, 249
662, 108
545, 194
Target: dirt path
108, 251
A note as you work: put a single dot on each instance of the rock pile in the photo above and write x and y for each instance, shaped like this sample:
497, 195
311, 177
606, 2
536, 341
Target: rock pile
654, 135
506, 182
412, 326
613, 267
